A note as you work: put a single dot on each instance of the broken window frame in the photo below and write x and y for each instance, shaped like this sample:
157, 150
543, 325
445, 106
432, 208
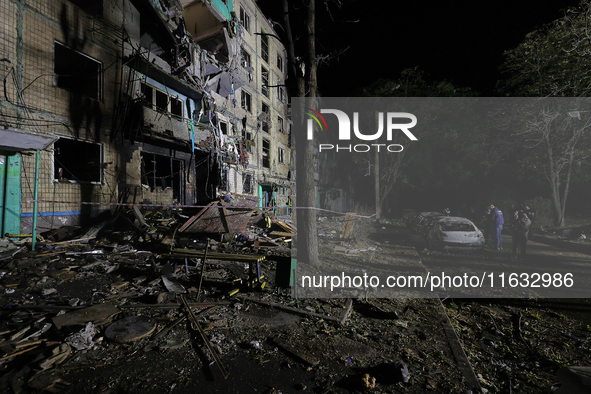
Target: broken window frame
244, 19
224, 128
265, 123
152, 102
246, 101
74, 169
281, 92
265, 81
247, 137
281, 155
173, 170
264, 47
247, 180
280, 62
266, 153
280, 125
76, 83
246, 58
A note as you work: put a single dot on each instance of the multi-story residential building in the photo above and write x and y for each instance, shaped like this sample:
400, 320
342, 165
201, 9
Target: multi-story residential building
145, 101
249, 93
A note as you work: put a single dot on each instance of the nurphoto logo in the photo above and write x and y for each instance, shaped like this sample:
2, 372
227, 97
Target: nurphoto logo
391, 120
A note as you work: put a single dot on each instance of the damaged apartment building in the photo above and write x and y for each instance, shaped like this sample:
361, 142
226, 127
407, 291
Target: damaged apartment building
162, 102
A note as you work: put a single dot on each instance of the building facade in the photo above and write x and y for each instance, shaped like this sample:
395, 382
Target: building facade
137, 101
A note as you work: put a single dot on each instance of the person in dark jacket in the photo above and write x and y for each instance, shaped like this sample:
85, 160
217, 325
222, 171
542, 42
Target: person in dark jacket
531, 216
496, 226
521, 227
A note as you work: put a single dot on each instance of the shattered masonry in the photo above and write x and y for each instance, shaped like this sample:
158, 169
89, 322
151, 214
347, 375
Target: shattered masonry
145, 101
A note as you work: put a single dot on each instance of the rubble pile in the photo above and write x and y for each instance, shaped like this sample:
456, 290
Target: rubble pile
133, 304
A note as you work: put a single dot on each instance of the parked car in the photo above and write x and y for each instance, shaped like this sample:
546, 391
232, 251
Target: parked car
454, 233
420, 220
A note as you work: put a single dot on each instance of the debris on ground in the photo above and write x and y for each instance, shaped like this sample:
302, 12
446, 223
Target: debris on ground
134, 304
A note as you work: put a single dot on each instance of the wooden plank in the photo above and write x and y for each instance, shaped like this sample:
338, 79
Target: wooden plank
295, 352
458, 351
280, 234
348, 307
81, 317
224, 217
212, 255
284, 226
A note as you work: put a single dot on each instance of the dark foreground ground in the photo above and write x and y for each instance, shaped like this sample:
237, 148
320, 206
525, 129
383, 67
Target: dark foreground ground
380, 346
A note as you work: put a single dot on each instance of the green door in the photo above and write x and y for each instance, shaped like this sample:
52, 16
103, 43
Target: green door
2, 188
10, 194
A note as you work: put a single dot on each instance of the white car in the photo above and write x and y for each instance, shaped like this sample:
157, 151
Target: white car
454, 233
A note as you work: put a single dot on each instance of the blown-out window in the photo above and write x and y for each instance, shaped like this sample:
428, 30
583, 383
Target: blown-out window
161, 101
247, 186
77, 161
77, 72
264, 47
160, 171
245, 19
245, 101
266, 153
265, 81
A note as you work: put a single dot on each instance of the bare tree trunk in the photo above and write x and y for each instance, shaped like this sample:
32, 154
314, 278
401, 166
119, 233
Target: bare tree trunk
554, 179
307, 238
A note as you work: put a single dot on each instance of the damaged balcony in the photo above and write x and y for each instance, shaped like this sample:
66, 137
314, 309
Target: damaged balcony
160, 107
211, 25
162, 30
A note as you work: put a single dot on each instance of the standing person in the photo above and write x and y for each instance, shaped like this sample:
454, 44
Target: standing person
532, 217
521, 227
447, 212
496, 226
487, 225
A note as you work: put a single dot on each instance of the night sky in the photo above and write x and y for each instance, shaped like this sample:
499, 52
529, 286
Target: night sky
461, 41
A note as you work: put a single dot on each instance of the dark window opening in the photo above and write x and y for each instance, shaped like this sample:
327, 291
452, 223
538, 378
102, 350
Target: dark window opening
247, 184
266, 153
265, 81
245, 101
264, 47
93, 7
224, 128
176, 107
77, 161
248, 140
279, 62
161, 101
147, 95
265, 117
281, 155
246, 61
245, 19
162, 172
280, 125
77, 73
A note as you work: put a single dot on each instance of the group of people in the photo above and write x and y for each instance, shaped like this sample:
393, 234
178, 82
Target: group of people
521, 220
